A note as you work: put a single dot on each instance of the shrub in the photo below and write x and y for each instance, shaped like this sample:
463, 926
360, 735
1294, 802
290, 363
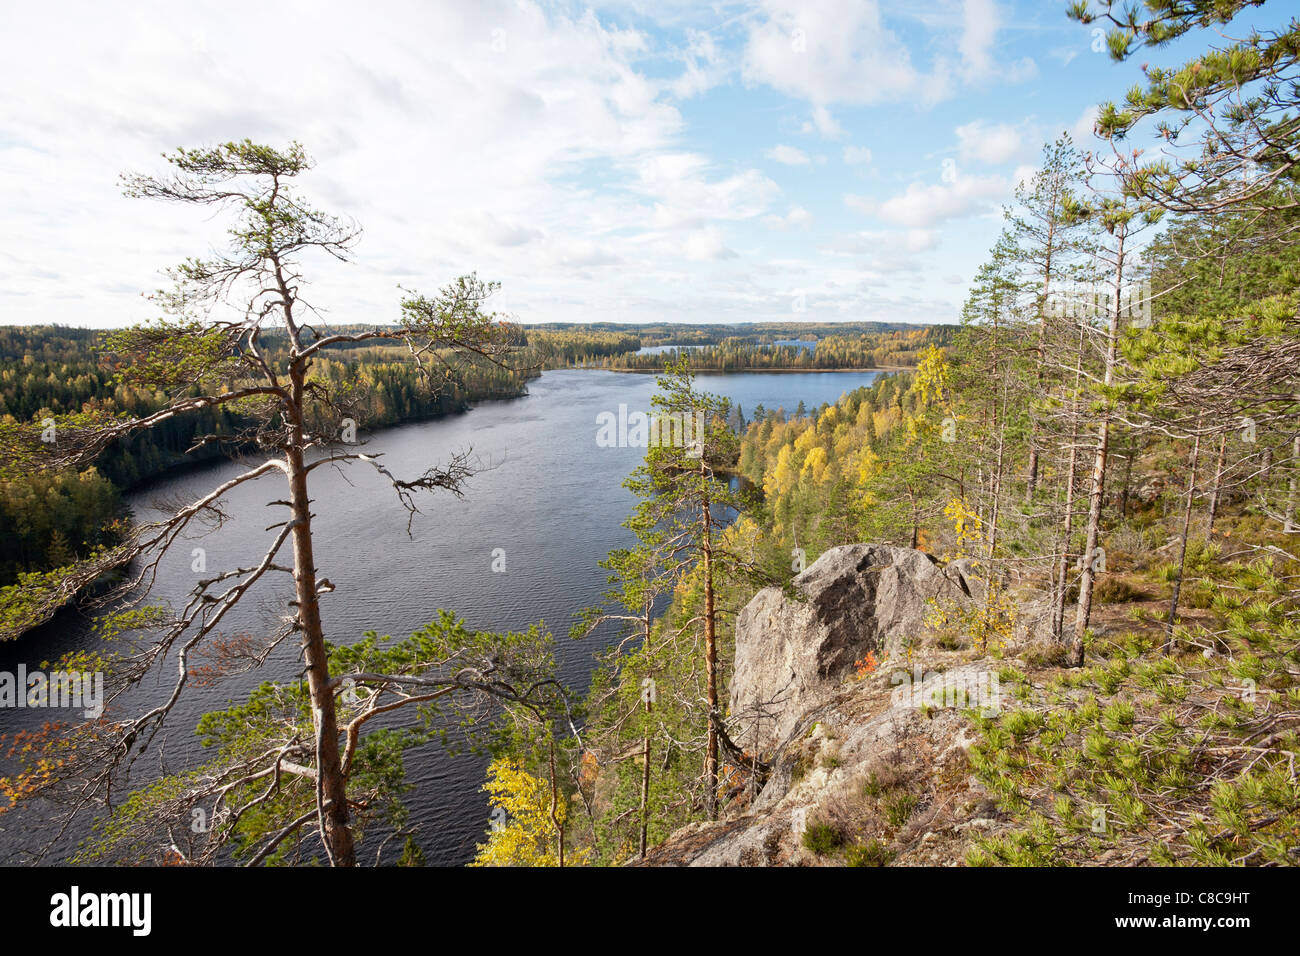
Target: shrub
1116, 590
820, 837
898, 808
871, 853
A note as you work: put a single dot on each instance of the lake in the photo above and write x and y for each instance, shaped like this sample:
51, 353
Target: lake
549, 497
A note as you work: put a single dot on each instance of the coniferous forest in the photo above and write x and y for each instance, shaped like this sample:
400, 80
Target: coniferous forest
1000, 580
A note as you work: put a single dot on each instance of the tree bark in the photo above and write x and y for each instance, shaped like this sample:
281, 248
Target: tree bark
1098, 491
645, 783
1067, 531
1182, 544
555, 810
1089, 575
1289, 526
1217, 493
331, 786
1031, 482
710, 661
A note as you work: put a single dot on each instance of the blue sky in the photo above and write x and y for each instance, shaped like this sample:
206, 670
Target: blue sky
626, 161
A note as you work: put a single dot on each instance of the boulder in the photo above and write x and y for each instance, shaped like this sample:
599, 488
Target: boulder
863, 732
792, 653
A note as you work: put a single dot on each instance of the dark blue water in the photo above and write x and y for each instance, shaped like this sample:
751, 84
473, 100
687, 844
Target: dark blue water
550, 497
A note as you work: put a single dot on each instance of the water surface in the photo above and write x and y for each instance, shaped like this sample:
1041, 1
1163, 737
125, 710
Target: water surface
549, 497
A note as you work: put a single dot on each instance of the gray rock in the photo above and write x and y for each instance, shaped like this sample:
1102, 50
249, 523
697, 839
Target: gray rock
791, 654
871, 727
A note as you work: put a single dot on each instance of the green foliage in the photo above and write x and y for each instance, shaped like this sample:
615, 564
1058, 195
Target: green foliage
821, 837
871, 853
276, 717
837, 350
1157, 758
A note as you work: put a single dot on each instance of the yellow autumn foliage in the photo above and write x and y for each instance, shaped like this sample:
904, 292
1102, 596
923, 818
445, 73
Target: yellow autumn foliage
523, 832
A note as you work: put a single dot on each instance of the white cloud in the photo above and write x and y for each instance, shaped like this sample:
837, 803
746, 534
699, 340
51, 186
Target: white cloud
826, 124
991, 143
581, 254
862, 204
685, 196
706, 245
922, 206
705, 68
797, 216
979, 31
1081, 131
788, 155
837, 51
876, 241
920, 240
459, 136
981, 20
857, 155
841, 51
541, 144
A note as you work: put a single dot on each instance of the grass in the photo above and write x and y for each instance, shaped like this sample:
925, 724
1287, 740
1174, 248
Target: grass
898, 808
821, 838
871, 853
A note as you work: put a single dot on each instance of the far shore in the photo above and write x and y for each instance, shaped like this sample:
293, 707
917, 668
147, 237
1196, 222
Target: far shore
659, 371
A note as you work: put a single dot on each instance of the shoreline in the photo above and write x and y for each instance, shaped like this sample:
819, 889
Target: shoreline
739, 371
183, 466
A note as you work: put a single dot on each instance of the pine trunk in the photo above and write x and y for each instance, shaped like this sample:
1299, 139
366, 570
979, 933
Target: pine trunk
710, 665
1182, 543
1217, 493
331, 786
645, 783
1098, 491
1289, 526
1067, 530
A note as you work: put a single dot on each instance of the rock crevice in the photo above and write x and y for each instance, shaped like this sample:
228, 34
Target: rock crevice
856, 599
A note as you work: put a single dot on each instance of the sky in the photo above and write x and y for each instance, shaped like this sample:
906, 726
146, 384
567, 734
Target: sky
842, 160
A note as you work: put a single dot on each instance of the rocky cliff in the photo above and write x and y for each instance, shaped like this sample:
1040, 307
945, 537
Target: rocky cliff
858, 717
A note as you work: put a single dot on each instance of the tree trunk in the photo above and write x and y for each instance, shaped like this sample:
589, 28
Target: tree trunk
555, 810
993, 523
645, 782
1098, 491
331, 786
1182, 543
1041, 355
1067, 531
1289, 526
710, 664
1217, 493
1088, 576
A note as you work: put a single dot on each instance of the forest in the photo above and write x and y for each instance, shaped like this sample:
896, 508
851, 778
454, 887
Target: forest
49, 371
1113, 437
836, 351
1110, 438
